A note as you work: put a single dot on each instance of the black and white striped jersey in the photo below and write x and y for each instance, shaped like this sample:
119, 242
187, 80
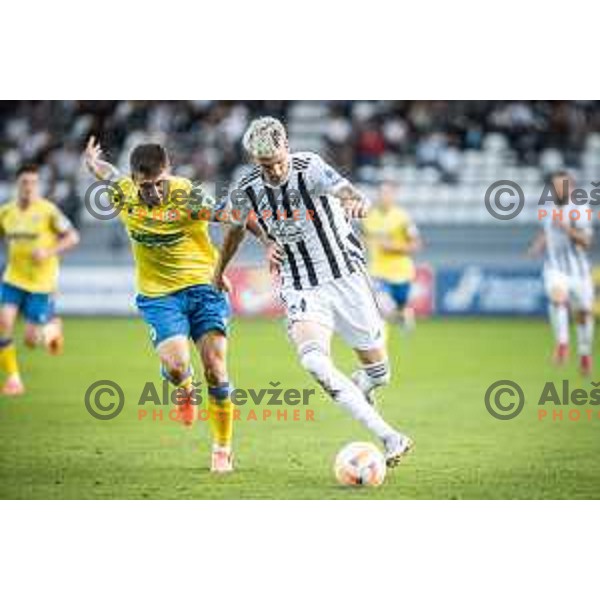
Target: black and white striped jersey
305, 218
562, 253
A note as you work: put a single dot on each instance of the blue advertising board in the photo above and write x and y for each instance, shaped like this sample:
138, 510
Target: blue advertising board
481, 290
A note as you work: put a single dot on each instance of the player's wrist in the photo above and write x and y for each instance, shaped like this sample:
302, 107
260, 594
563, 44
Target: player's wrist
219, 271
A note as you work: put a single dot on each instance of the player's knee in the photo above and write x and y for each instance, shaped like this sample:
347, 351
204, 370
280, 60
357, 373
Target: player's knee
215, 369
214, 358
558, 295
315, 359
215, 372
32, 337
6, 327
175, 369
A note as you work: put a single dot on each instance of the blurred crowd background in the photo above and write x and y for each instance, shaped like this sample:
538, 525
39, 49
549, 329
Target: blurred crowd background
443, 154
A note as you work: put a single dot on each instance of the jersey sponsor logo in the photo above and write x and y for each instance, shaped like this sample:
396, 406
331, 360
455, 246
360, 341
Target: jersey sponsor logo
154, 240
288, 231
22, 235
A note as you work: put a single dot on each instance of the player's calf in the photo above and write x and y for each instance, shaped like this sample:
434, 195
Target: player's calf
213, 352
176, 369
180, 376
585, 340
13, 385
316, 360
559, 319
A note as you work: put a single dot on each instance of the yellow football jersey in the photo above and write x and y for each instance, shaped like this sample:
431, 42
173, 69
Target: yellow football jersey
391, 226
171, 245
38, 226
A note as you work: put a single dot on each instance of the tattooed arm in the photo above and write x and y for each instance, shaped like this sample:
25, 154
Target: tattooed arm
326, 180
354, 203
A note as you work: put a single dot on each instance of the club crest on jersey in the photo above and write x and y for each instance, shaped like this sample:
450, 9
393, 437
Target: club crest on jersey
286, 230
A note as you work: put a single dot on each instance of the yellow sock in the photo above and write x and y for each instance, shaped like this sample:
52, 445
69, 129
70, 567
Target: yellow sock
8, 357
220, 411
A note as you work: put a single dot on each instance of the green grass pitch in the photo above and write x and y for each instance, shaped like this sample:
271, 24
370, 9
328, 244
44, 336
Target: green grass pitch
50, 447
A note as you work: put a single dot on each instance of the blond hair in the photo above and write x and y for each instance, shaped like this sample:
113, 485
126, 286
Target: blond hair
265, 137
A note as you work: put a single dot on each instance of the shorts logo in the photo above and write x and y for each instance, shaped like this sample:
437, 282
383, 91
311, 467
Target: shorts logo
153, 334
295, 308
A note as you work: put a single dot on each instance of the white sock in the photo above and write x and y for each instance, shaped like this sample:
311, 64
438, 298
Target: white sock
372, 376
559, 318
585, 336
341, 389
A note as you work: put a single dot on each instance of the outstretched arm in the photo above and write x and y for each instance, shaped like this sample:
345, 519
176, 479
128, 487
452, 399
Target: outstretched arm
100, 169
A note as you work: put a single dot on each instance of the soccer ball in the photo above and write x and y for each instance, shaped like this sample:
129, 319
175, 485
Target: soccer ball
360, 463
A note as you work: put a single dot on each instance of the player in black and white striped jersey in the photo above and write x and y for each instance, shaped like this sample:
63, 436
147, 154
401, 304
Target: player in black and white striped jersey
567, 272
300, 208
317, 239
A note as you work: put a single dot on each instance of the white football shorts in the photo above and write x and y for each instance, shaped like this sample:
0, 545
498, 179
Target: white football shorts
347, 306
579, 290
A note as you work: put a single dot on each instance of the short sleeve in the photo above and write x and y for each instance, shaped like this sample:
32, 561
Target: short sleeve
2, 215
59, 222
323, 178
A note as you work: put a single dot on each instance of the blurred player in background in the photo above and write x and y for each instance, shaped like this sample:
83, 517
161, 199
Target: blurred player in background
567, 273
174, 259
392, 238
303, 208
37, 233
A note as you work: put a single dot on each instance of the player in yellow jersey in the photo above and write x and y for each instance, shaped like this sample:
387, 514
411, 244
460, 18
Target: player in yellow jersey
175, 260
392, 239
36, 233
